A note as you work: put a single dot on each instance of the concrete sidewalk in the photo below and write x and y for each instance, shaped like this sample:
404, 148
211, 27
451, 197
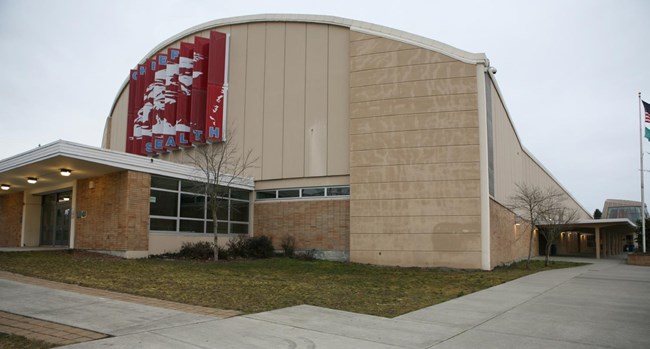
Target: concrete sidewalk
603, 305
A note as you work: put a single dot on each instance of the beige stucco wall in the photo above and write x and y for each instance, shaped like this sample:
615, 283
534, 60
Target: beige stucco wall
512, 164
414, 156
287, 99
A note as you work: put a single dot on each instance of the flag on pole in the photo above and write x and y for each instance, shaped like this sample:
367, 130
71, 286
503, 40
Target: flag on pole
646, 109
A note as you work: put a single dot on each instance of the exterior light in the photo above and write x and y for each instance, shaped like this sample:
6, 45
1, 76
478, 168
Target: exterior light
5, 187
65, 172
32, 180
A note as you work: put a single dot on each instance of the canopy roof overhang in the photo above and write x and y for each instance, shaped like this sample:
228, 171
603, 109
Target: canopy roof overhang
622, 225
45, 163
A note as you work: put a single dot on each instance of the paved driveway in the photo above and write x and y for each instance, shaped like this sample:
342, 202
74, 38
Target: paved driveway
603, 305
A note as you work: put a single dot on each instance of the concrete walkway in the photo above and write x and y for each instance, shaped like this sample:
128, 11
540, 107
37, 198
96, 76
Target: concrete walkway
603, 305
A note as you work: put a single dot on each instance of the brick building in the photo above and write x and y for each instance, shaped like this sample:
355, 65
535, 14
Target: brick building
373, 146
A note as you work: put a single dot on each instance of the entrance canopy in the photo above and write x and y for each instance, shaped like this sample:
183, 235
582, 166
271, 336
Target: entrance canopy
45, 165
608, 233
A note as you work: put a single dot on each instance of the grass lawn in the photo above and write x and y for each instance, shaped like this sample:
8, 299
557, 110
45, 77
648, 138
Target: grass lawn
265, 284
10, 341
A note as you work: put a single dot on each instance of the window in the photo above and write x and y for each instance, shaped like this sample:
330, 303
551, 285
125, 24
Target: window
338, 191
162, 203
267, 194
313, 192
162, 224
178, 206
304, 193
289, 193
633, 213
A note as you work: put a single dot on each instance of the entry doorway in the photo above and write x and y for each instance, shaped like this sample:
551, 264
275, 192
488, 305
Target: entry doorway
56, 215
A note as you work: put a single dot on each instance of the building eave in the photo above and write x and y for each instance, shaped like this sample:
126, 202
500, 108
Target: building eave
110, 160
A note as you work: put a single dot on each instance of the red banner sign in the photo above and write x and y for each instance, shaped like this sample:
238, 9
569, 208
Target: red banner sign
171, 92
131, 109
216, 90
184, 97
178, 99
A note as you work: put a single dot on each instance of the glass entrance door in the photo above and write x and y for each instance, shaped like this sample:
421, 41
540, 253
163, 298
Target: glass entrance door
56, 214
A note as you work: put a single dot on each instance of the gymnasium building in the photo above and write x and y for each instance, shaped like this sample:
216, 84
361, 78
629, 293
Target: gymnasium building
372, 145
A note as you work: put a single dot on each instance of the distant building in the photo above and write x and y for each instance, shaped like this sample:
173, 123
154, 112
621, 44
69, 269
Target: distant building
623, 209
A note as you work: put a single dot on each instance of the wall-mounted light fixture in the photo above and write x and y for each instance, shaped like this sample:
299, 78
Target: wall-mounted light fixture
65, 172
32, 180
5, 186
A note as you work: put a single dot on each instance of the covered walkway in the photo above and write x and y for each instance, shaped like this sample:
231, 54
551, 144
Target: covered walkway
594, 237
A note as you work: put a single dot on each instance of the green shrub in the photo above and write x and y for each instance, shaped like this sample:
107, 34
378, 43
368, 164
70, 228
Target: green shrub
238, 247
197, 250
309, 255
260, 247
288, 245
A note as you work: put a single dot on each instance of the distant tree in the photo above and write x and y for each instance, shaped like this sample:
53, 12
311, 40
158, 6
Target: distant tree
534, 204
555, 221
219, 165
597, 214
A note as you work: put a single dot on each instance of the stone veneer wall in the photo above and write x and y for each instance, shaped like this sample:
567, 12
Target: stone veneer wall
117, 209
11, 215
508, 242
323, 225
414, 156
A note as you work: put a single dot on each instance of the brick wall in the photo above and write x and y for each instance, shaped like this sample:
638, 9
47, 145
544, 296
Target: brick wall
508, 242
323, 225
117, 209
11, 209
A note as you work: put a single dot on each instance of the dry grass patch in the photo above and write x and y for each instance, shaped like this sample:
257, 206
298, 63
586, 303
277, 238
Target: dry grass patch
11, 341
265, 284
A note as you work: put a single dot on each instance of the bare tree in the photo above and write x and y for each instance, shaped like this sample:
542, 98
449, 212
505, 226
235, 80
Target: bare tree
219, 165
554, 223
533, 204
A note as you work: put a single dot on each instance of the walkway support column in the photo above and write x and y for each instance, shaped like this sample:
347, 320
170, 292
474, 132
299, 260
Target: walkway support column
597, 243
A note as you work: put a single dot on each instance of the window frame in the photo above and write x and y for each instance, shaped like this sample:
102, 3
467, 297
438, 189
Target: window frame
207, 218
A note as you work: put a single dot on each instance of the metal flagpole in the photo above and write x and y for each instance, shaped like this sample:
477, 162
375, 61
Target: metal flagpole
642, 172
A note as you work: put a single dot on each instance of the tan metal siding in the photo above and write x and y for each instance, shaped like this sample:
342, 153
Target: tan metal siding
287, 99
254, 110
273, 101
316, 101
338, 148
293, 150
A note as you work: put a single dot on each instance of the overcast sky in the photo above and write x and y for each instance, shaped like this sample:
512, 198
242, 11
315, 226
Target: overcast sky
570, 71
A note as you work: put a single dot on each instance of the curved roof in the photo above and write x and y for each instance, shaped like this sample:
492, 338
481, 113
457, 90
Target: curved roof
354, 25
